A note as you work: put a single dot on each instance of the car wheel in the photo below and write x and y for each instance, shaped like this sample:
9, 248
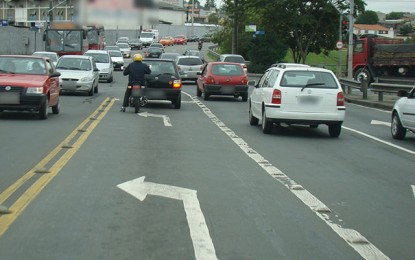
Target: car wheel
335, 129
206, 96
245, 97
56, 108
43, 111
96, 89
91, 91
198, 92
397, 130
177, 103
266, 124
252, 120
110, 79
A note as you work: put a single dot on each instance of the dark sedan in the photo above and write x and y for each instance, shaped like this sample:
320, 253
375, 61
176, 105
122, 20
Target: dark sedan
153, 52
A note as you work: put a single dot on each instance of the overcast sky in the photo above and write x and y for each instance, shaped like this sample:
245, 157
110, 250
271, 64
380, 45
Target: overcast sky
387, 6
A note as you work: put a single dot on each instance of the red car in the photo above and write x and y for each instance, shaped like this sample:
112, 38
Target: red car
28, 83
222, 78
180, 39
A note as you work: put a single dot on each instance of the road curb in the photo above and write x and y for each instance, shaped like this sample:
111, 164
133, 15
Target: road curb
369, 103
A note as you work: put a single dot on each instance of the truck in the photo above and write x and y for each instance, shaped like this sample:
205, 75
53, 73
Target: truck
377, 57
147, 37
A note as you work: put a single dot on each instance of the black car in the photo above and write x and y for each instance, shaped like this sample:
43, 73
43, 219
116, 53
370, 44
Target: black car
135, 44
153, 52
164, 82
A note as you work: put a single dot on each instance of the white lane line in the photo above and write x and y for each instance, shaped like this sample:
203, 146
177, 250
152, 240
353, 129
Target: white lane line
376, 122
413, 189
377, 109
166, 119
379, 140
353, 238
199, 232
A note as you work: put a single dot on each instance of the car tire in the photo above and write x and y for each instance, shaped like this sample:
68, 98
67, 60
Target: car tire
198, 91
56, 108
397, 130
244, 97
335, 130
206, 95
110, 79
96, 89
177, 102
91, 91
43, 110
252, 120
266, 124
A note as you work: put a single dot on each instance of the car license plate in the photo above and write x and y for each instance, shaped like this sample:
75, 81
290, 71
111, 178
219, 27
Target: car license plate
10, 98
309, 100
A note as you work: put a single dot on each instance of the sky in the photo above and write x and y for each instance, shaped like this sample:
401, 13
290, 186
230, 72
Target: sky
387, 6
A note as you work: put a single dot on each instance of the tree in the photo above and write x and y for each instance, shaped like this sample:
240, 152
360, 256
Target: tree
213, 18
394, 16
210, 4
406, 29
368, 17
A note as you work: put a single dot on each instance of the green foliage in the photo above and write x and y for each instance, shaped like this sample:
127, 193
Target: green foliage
368, 17
406, 29
263, 51
394, 16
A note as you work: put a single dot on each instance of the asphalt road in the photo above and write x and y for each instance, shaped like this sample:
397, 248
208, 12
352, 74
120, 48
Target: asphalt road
200, 182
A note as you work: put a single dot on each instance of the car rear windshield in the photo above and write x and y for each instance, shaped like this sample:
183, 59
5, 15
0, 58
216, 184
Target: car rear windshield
51, 56
98, 57
309, 79
115, 53
73, 64
237, 59
227, 70
160, 67
190, 61
123, 45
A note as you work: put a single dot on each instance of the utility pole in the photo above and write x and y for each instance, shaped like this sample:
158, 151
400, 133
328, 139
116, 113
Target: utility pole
50, 11
235, 28
350, 43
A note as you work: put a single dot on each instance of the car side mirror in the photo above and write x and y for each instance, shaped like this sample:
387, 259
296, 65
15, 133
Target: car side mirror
251, 83
402, 93
55, 74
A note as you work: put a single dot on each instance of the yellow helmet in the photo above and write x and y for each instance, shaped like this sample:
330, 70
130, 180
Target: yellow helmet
137, 57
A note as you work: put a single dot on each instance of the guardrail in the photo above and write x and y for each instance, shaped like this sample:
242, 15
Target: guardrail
212, 50
376, 87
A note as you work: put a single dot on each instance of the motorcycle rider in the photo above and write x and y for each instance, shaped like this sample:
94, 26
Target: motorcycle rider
135, 71
200, 44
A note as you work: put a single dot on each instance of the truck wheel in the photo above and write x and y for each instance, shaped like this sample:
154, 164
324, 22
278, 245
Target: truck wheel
362, 73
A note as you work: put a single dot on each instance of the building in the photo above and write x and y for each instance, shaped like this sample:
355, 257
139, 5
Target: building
377, 29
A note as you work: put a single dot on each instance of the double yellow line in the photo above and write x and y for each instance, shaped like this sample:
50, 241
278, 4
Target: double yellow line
24, 200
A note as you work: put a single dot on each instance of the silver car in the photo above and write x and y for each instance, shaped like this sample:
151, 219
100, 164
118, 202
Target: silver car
104, 64
78, 74
125, 49
189, 66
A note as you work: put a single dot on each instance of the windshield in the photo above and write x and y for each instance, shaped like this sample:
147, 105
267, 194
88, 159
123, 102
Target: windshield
93, 37
115, 54
160, 67
237, 59
190, 61
63, 40
308, 79
146, 35
51, 56
99, 57
73, 64
227, 70
22, 65
123, 45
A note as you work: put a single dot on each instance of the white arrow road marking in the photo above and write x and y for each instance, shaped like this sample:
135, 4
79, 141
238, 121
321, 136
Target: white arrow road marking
413, 189
376, 122
166, 119
199, 232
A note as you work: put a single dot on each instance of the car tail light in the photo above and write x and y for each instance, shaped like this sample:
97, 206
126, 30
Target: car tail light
177, 83
276, 96
146, 53
340, 99
244, 80
210, 80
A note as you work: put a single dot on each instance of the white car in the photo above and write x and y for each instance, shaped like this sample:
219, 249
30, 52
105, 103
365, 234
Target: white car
297, 95
53, 56
125, 49
117, 59
403, 114
78, 74
104, 64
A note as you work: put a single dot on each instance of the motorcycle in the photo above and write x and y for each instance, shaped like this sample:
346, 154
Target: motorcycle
137, 97
200, 45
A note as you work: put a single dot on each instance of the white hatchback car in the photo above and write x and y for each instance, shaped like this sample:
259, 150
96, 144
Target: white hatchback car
403, 115
297, 95
104, 64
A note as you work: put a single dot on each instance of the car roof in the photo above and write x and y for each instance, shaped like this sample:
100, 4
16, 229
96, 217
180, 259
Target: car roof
289, 65
97, 51
159, 60
231, 55
188, 56
77, 57
45, 52
301, 68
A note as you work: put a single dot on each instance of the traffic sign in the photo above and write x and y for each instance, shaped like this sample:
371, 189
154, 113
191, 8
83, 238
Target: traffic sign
339, 45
